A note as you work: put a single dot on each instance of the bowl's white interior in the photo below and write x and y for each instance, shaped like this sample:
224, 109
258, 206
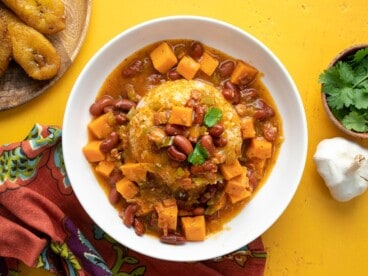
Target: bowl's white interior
269, 202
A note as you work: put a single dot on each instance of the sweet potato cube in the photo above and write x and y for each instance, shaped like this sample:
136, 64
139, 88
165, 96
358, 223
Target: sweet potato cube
243, 73
260, 148
181, 115
105, 168
163, 58
238, 184
208, 63
188, 67
241, 196
136, 172
247, 127
259, 165
194, 228
128, 189
92, 151
144, 207
167, 216
231, 170
238, 187
100, 126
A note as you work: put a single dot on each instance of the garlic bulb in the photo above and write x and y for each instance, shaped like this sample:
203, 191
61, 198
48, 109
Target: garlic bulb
343, 165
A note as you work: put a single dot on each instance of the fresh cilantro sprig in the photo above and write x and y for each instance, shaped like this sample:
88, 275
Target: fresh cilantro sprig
212, 116
346, 87
199, 155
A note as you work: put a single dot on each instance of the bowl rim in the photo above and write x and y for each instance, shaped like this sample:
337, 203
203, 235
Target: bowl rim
301, 152
341, 56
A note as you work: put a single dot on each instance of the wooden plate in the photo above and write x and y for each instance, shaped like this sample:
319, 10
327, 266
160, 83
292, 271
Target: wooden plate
17, 88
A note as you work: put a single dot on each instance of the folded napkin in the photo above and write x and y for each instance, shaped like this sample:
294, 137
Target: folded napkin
43, 225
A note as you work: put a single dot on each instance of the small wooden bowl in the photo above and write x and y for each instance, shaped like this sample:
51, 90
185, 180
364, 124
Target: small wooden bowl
342, 56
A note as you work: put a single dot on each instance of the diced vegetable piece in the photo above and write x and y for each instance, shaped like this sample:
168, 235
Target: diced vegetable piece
194, 228
181, 115
100, 126
128, 189
105, 168
259, 165
188, 67
163, 58
92, 151
220, 203
260, 148
231, 170
247, 127
136, 172
161, 117
167, 216
144, 207
169, 202
243, 195
208, 63
237, 184
243, 73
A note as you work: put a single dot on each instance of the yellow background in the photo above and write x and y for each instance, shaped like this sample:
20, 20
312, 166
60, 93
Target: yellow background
316, 235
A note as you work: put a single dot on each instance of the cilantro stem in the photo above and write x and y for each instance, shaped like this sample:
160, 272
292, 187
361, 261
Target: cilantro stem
360, 81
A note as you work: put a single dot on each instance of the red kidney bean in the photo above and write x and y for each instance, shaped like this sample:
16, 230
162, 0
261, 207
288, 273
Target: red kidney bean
124, 104
199, 112
263, 110
109, 142
216, 130
97, 108
204, 168
128, 214
121, 118
228, 94
175, 154
206, 141
114, 177
114, 196
220, 141
109, 108
269, 131
248, 94
196, 50
173, 75
228, 84
139, 226
234, 95
198, 211
133, 69
175, 239
226, 68
172, 129
183, 144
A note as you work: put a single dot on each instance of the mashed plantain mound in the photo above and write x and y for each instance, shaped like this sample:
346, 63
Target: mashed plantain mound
165, 97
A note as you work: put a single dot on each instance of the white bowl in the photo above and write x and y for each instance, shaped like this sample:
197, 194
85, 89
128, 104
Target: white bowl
274, 196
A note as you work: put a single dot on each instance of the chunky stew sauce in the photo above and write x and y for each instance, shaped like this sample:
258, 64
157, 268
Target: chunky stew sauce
177, 158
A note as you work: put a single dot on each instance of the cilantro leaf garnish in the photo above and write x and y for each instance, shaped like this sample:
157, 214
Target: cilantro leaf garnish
355, 121
212, 116
360, 55
198, 156
346, 87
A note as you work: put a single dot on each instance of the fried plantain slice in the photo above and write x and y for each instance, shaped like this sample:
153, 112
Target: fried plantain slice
31, 49
5, 45
46, 16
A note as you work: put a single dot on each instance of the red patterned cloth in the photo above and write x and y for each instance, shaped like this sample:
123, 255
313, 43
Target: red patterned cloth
43, 225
